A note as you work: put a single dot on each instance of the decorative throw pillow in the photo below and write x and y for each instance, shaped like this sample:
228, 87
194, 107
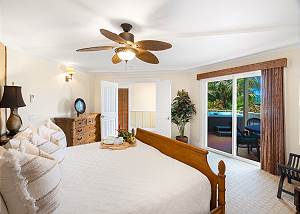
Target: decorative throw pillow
29, 183
51, 148
24, 145
60, 136
25, 133
53, 133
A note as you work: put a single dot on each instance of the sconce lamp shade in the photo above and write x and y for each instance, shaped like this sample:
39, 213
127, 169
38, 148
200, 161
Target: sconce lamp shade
70, 70
12, 97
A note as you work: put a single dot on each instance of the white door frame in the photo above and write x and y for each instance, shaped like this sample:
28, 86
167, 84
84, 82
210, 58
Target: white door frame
204, 108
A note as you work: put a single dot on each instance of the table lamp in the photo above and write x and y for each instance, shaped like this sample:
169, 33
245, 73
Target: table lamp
12, 98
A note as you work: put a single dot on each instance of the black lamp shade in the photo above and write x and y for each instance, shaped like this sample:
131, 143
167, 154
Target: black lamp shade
12, 97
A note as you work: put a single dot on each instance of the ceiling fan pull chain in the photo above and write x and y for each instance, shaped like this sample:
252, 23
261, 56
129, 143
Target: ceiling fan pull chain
126, 66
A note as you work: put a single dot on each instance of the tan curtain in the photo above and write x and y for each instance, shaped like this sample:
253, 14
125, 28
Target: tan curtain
272, 120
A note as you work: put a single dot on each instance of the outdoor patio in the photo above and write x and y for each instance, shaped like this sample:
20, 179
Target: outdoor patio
225, 144
220, 117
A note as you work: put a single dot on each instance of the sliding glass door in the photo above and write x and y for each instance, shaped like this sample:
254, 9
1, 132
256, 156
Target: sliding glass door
219, 115
232, 123
248, 117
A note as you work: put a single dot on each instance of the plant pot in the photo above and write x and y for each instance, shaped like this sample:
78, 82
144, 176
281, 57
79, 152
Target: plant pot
183, 139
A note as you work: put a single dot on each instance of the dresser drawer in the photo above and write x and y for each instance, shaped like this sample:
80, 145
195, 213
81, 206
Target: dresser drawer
79, 131
91, 138
80, 139
80, 123
91, 121
90, 129
84, 130
85, 137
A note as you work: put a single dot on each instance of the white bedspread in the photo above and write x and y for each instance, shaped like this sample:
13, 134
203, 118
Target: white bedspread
139, 180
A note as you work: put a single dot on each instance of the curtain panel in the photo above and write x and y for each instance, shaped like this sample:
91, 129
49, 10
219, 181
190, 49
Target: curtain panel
272, 120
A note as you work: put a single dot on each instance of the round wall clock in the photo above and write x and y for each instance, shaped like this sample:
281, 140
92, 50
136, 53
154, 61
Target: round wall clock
79, 106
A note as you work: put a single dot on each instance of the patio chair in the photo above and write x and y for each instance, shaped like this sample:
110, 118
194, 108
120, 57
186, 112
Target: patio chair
248, 141
253, 121
291, 171
250, 122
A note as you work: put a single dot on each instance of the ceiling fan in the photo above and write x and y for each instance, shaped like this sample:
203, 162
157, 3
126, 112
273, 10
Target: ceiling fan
127, 48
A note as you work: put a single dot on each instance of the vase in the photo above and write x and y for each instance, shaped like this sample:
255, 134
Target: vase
183, 139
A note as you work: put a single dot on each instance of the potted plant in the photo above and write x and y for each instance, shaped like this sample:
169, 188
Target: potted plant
182, 111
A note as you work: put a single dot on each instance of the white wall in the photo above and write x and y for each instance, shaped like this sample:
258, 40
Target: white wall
46, 81
292, 93
143, 97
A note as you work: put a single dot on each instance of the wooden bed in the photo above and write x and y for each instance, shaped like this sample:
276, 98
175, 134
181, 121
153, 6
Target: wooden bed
194, 157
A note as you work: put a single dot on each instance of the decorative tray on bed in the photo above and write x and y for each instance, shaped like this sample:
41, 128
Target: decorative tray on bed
122, 146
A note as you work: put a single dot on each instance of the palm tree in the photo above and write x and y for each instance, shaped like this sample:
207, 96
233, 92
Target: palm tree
253, 93
220, 94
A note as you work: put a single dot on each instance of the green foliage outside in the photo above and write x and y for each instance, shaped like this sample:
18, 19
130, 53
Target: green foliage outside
220, 95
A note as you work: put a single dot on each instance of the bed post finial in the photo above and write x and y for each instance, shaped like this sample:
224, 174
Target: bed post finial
221, 185
221, 168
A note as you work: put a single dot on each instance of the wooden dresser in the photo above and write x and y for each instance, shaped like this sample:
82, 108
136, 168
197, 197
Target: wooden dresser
80, 130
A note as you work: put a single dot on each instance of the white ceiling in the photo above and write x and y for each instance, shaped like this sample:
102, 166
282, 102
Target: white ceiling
201, 31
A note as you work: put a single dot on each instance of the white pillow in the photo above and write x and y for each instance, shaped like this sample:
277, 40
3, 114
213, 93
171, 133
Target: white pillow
46, 132
53, 133
25, 133
24, 145
29, 183
51, 148
53, 126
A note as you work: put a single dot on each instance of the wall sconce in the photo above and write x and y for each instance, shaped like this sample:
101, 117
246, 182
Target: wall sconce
69, 73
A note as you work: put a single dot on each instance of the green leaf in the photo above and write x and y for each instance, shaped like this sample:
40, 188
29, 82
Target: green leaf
182, 110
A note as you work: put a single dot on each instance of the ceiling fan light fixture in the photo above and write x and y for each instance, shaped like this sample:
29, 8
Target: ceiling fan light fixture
127, 48
125, 53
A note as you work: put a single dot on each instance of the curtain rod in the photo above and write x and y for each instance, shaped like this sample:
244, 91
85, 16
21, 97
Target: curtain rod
282, 62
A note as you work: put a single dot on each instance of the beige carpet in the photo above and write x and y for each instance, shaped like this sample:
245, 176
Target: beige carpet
251, 190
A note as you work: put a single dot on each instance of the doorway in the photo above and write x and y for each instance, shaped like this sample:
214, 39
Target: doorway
131, 105
123, 108
232, 115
